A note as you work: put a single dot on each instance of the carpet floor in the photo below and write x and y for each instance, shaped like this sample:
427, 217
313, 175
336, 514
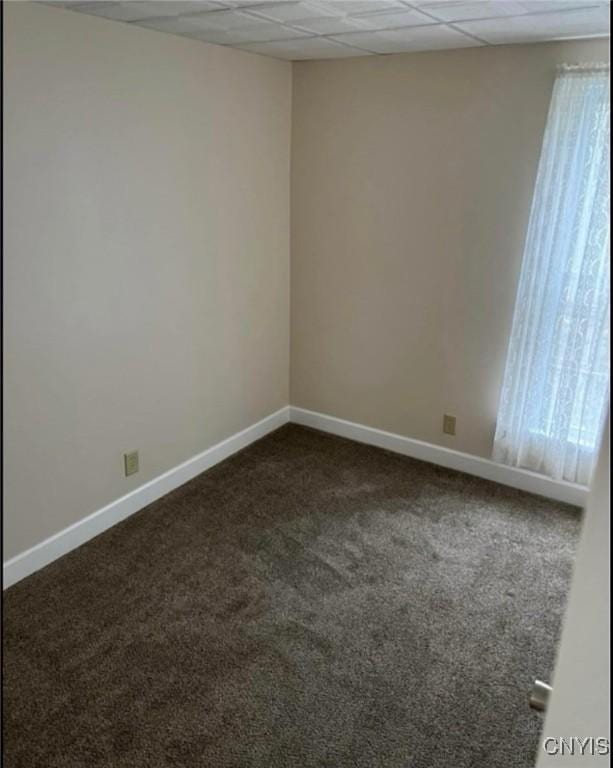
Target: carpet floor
310, 602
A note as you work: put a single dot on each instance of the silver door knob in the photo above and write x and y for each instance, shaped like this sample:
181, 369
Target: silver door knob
539, 695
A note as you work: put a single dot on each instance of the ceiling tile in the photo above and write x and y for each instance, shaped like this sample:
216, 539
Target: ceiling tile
259, 33
393, 19
327, 18
318, 18
247, 3
175, 25
545, 26
341, 7
328, 25
171, 7
117, 11
65, 4
144, 9
434, 37
240, 29
308, 48
543, 6
291, 11
180, 25
456, 10
225, 20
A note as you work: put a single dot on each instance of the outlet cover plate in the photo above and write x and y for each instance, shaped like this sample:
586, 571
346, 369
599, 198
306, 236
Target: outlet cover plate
130, 463
449, 424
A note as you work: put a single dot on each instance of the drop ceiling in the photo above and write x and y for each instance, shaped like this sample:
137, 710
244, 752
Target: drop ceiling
324, 29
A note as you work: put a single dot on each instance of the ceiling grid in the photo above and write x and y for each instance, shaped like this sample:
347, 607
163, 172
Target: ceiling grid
318, 29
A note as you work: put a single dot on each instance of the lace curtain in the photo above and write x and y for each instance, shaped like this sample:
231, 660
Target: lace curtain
556, 382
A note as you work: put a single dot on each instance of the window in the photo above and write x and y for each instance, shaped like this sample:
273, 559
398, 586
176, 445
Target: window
556, 382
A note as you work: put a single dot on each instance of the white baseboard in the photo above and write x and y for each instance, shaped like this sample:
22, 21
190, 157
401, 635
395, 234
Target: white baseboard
61, 543
444, 457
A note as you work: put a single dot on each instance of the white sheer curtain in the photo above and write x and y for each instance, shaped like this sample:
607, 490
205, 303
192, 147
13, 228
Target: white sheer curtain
556, 383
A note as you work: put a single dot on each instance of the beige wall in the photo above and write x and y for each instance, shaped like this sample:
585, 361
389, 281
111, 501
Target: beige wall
147, 246
412, 178
146, 256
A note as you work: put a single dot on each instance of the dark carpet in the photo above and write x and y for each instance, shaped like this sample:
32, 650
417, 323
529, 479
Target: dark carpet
308, 602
